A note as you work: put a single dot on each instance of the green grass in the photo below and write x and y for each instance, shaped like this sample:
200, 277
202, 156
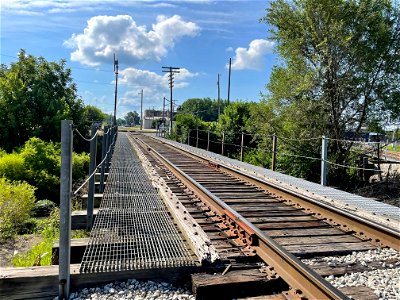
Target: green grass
39, 255
391, 148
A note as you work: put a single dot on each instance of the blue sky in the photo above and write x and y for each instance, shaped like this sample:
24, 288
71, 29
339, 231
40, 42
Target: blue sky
198, 36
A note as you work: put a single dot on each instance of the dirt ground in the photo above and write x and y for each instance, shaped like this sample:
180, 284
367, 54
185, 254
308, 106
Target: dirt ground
18, 244
387, 190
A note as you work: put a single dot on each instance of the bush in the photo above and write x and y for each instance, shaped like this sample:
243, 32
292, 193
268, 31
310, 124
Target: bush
43, 208
42, 164
38, 163
12, 167
80, 165
16, 202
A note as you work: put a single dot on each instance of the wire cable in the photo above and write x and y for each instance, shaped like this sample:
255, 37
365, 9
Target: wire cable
86, 139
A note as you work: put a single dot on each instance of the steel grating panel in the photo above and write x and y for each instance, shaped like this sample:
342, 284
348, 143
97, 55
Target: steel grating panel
133, 229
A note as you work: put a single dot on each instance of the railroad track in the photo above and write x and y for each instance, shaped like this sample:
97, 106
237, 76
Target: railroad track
252, 222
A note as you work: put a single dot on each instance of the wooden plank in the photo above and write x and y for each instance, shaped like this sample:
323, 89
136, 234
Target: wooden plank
345, 238
78, 218
286, 213
309, 250
234, 284
301, 224
78, 247
293, 232
359, 293
281, 219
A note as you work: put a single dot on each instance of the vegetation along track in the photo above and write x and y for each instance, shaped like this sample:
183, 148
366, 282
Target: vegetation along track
254, 218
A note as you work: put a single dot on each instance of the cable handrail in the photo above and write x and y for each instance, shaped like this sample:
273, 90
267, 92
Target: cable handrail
84, 138
94, 172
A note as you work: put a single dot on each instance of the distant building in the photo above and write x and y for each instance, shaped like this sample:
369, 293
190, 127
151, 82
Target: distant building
151, 115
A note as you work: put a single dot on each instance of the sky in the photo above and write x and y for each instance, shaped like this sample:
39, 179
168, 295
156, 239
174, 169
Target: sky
198, 36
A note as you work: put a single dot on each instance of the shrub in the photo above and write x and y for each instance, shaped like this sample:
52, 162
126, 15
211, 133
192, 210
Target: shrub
12, 166
16, 202
43, 208
42, 164
80, 165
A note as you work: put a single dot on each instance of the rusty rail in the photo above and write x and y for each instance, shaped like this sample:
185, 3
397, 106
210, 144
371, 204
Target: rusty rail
303, 280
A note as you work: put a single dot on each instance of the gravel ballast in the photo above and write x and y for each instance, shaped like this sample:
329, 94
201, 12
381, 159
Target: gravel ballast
135, 290
384, 281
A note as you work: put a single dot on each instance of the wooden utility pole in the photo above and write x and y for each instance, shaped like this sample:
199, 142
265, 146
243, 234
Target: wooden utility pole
171, 71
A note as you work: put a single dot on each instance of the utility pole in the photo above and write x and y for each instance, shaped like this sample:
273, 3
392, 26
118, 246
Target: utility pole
141, 109
229, 79
171, 71
219, 103
116, 89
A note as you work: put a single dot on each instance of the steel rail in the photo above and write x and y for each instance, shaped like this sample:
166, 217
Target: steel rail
304, 281
366, 229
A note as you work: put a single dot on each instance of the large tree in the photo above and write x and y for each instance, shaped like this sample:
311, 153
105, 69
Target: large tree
204, 108
132, 118
339, 59
35, 95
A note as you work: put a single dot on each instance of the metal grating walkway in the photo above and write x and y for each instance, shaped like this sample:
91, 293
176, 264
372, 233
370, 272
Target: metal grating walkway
133, 229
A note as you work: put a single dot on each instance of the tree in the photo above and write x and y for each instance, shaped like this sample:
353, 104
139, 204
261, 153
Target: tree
204, 108
35, 95
94, 114
132, 118
340, 62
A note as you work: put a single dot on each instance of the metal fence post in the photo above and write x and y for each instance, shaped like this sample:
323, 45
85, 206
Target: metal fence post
197, 137
274, 144
222, 143
324, 158
189, 136
92, 169
241, 147
208, 140
104, 149
65, 208
108, 142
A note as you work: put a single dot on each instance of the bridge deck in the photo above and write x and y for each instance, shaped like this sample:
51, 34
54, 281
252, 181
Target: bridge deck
133, 229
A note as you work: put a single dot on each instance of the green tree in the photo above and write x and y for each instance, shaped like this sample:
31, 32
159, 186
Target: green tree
132, 118
94, 114
340, 66
35, 95
204, 108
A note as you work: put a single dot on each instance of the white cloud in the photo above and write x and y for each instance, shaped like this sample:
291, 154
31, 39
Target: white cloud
229, 49
154, 87
253, 57
106, 35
